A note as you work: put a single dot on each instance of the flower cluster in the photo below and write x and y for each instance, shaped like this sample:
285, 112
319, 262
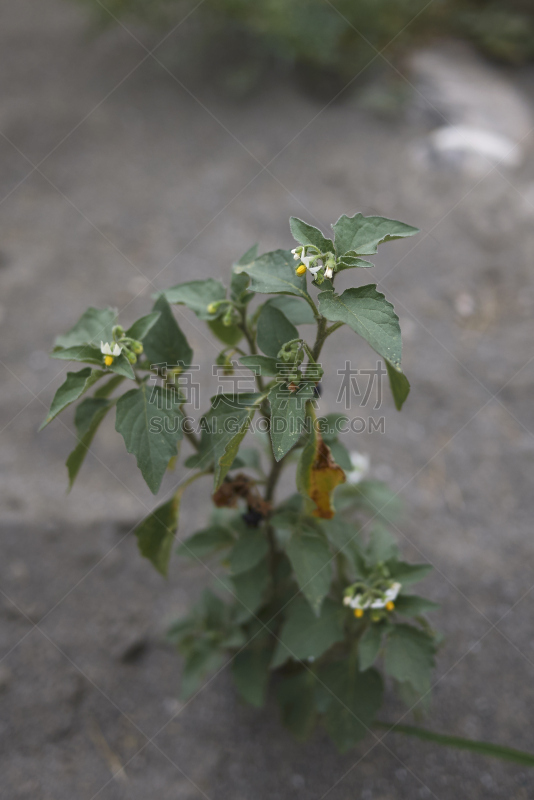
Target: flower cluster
310, 262
380, 596
120, 344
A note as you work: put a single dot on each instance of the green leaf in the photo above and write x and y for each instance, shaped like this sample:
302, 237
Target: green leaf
239, 282
382, 546
411, 605
73, 387
149, 419
250, 587
304, 635
250, 255
250, 670
92, 355
141, 327
370, 315
206, 542
229, 334
86, 412
408, 574
225, 426
155, 534
93, 327
197, 295
345, 537
121, 366
297, 311
355, 699
307, 234
399, 384
307, 457
248, 457
359, 235
369, 646
264, 366
296, 694
341, 456
274, 330
109, 387
310, 558
374, 497
349, 262
205, 658
330, 427
288, 416
165, 343
88, 417
274, 273
251, 548
409, 657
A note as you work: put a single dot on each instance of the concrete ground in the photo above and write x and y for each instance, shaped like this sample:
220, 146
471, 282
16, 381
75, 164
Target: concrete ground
119, 178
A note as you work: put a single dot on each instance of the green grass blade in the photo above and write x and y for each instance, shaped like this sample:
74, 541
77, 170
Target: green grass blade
475, 746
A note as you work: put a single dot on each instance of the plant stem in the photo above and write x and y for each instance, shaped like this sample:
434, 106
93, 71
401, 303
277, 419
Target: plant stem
272, 479
251, 339
193, 439
320, 338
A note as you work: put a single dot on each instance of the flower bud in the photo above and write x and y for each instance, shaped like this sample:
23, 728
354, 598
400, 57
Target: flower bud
132, 358
137, 347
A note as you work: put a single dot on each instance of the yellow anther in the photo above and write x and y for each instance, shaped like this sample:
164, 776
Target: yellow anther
301, 270
108, 361
390, 606
358, 613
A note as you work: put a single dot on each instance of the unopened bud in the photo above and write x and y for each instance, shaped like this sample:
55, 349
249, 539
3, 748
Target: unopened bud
132, 358
137, 347
228, 319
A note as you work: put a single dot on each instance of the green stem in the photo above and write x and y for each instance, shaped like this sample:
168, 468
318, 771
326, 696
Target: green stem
475, 746
320, 338
272, 479
192, 438
313, 307
183, 486
251, 339
334, 327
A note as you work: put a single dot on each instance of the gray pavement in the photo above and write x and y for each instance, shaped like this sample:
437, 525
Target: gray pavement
117, 180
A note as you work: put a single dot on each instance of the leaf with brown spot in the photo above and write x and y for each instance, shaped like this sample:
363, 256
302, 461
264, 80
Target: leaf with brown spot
318, 474
325, 475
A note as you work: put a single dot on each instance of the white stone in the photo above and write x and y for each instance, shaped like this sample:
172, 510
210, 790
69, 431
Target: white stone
481, 119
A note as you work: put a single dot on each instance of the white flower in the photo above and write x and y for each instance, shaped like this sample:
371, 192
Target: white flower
389, 596
306, 261
381, 602
296, 253
109, 352
328, 273
360, 464
106, 349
